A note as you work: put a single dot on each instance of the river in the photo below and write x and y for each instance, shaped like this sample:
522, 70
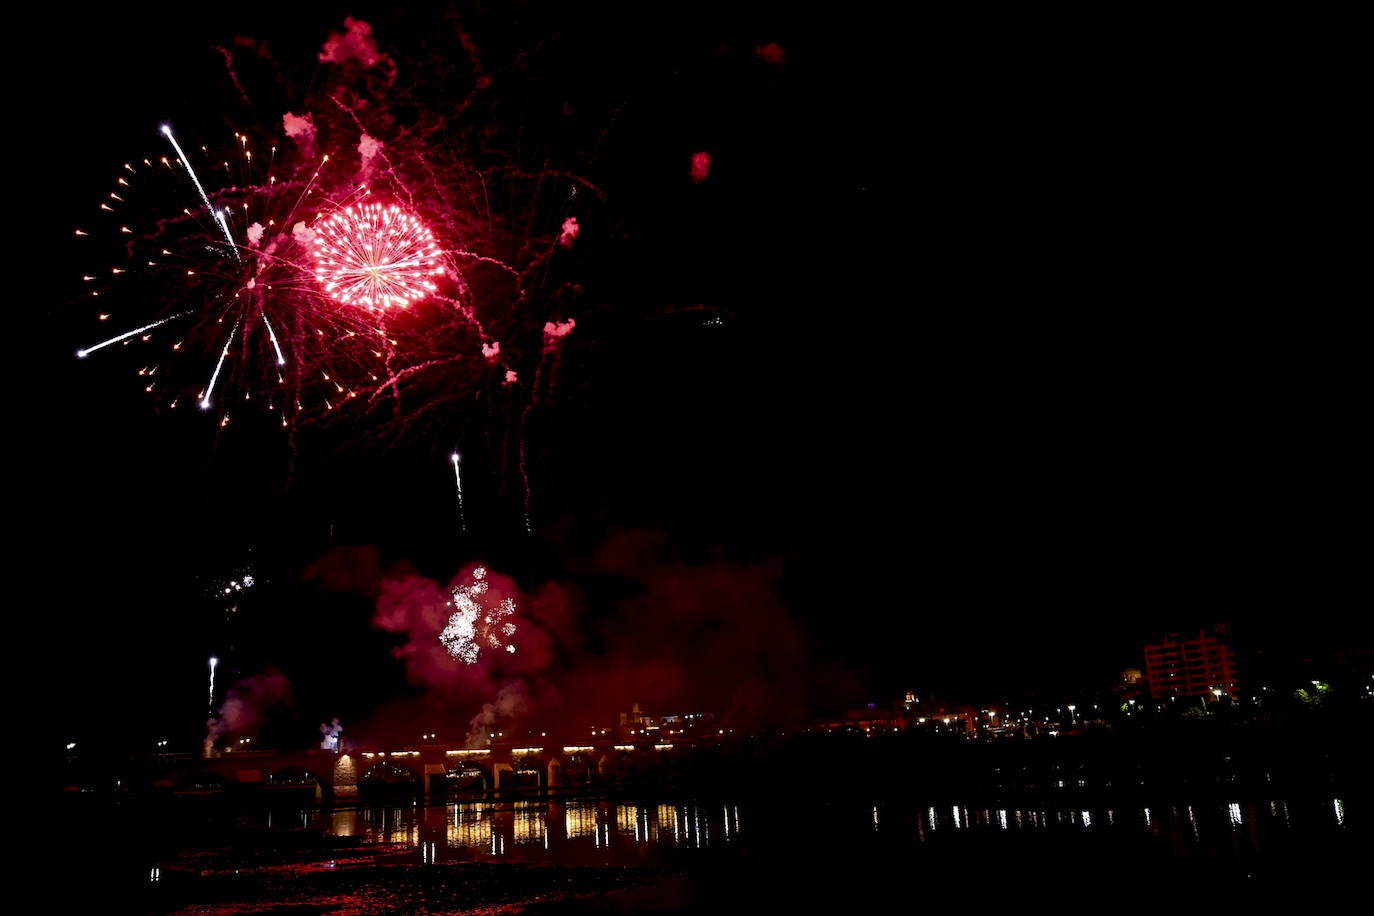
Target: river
176, 856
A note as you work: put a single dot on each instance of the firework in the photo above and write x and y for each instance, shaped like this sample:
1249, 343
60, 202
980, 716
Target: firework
375, 256
293, 318
213, 662
229, 590
477, 622
341, 257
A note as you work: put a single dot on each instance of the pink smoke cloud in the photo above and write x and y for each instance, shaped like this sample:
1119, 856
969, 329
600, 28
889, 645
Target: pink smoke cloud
569, 233
245, 706
419, 608
701, 166
355, 570
770, 53
709, 636
369, 148
555, 331
301, 129
355, 44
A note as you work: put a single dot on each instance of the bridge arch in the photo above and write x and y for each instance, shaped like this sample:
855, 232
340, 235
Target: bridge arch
465, 777
300, 782
391, 779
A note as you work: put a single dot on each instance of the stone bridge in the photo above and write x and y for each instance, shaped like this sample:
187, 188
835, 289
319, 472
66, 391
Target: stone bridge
424, 772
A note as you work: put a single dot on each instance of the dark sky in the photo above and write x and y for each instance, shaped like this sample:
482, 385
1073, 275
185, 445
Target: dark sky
977, 358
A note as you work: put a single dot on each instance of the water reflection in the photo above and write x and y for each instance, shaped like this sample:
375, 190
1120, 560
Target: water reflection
206, 848
605, 831
584, 831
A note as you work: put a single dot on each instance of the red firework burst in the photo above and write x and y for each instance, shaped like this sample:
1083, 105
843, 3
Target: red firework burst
369, 257
376, 256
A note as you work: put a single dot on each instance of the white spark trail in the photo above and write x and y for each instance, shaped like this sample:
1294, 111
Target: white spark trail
219, 364
217, 217
458, 480
281, 360
82, 354
224, 227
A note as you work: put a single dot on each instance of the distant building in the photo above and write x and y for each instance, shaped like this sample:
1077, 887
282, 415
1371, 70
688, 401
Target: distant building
637, 725
1133, 686
1197, 666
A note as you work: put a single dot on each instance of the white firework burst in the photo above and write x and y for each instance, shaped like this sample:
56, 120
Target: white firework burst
477, 622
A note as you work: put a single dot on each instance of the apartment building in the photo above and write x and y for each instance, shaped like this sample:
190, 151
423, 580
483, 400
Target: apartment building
1192, 666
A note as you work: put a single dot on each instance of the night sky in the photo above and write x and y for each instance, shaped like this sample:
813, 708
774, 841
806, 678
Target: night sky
977, 357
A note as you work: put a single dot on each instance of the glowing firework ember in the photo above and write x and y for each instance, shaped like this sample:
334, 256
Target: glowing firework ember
474, 625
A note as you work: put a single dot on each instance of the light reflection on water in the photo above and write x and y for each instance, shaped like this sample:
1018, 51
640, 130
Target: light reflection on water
605, 831
579, 831
1188, 825
795, 837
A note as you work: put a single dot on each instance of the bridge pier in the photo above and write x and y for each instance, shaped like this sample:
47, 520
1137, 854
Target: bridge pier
430, 772
345, 777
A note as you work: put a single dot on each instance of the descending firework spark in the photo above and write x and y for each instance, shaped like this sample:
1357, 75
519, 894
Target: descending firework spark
458, 484
216, 215
474, 625
87, 351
